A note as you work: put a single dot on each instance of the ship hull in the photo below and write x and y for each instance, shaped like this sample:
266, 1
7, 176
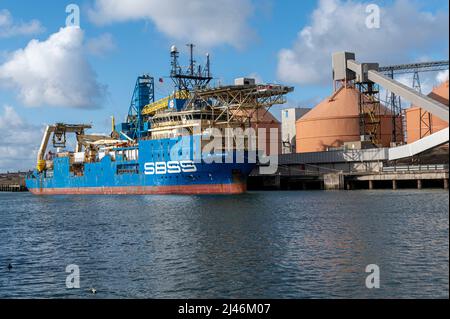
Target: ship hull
206, 189
153, 168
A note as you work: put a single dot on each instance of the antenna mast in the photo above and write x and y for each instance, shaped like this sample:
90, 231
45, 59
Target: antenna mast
189, 78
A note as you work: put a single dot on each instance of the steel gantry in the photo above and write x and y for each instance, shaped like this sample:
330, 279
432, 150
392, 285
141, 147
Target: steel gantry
410, 68
238, 102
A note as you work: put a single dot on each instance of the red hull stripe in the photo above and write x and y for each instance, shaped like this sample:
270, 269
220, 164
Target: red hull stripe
145, 190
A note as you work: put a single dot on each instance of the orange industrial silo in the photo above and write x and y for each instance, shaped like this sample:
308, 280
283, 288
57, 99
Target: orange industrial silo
264, 119
420, 123
336, 120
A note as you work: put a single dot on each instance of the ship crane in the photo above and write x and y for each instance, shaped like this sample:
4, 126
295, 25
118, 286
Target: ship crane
58, 133
346, 68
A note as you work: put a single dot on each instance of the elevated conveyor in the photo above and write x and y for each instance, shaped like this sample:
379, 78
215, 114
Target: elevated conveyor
434, 107
420, 146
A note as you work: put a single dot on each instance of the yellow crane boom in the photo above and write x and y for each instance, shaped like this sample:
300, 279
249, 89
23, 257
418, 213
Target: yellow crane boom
163, 103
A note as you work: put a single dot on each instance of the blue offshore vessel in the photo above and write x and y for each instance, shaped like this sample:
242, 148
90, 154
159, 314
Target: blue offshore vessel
160, 149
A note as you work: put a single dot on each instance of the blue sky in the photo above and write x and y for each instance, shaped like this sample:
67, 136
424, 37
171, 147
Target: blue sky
284, 41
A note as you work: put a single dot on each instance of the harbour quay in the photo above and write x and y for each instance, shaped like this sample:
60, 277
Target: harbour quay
13, 182
353, 170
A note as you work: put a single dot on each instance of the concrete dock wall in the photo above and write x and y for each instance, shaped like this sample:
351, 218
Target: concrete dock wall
298, 177
13, 182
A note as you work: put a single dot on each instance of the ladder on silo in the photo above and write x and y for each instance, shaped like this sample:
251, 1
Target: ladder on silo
369, 112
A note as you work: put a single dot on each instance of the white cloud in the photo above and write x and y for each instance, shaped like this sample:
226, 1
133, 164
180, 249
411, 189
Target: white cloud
20, 141
205, 22
427, 81
442, 76
100, 45
256, 76
9, 28
53, 72
338, 25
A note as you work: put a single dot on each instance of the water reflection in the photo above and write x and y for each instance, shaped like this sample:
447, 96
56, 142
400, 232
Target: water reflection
257, 245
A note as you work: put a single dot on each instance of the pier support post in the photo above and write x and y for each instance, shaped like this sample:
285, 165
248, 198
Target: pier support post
419, 184
445, 184
278, 182
333, 181
370, 184
394, 184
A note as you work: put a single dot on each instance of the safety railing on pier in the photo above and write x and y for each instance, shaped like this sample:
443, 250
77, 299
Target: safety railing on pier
415, 168
12, 188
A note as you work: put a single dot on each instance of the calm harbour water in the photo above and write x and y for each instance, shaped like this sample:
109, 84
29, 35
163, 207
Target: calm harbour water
257, 245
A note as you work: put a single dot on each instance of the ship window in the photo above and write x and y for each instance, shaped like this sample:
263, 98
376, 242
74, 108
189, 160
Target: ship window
127, 169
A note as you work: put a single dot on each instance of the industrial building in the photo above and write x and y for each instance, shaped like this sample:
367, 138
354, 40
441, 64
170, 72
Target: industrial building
336, 121
12, 182
289, 118
355, 139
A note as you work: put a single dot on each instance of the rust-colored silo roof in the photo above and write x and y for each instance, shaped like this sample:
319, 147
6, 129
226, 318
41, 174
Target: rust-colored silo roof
264, 116
419, 123
260, 116
440, 93
264, 119
343, 103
